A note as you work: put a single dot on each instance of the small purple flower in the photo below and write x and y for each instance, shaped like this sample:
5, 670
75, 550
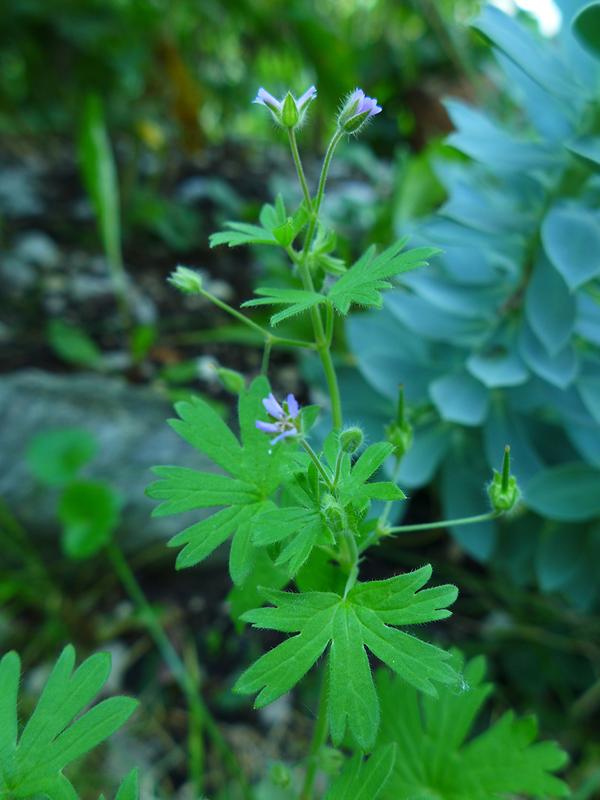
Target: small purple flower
357, 109
286, 417
288, 112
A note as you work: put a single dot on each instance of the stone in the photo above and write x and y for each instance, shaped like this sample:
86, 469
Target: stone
129, 424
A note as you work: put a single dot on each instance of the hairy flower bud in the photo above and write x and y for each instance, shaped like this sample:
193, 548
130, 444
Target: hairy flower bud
351, 439
356, 111
289, 112
186, 280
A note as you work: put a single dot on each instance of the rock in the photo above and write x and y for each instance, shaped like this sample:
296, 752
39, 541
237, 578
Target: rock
129, 424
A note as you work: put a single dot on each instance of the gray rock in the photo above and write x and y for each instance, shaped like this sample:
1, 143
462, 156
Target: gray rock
129, 424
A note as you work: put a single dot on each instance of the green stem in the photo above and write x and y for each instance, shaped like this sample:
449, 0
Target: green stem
233, 312
200, 717
316, 461
318, 741
299, 168
264, 365
270, 338
335, 139
445, 523
388, 506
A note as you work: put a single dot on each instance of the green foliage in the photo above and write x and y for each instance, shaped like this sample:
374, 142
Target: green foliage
73, 344
276, 228
498, 341
56, 456
100, 176
254, 473
60, 729
439, 757
363, 283
349, 624
89, 512
297, 301
364, 779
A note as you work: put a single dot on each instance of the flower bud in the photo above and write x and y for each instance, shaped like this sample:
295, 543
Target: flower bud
289, 112
504, 491
186, 280
400, 432
231, 380
357, 109
351, 439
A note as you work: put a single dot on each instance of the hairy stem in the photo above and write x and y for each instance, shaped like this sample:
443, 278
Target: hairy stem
299, 168
316, 461
321, 339
319, 738
444, 523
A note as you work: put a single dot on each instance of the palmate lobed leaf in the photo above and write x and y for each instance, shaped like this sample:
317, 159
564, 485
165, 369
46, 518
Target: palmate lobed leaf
349, 625
296, 301
364, 779
436, 758
255, 470
57, 732
363, 283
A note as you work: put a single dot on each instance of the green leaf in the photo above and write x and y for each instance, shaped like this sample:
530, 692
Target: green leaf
129, 789
435, 758
204, 429
242, 233
364, 779
354, 487
568, 492
350, 624
586, 27
363, 283
255, 470
56, 456
297, 301
183, 489
301, 526
59, 730
73, 344
100, 176
89, 512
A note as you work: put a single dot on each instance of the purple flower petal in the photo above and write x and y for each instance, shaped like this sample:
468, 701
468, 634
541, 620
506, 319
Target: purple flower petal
293, 407
272, 407
267, 427
264, 98
308, 95
283, 435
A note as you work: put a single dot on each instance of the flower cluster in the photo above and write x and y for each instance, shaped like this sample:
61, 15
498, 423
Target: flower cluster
286, 417
290, 113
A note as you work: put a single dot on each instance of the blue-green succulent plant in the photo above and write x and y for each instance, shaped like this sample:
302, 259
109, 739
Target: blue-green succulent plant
498, 341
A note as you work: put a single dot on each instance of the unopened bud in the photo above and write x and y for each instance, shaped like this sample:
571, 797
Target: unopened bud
289, 112
233, 381
351, 439
400, 432
186, 280
504, 491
